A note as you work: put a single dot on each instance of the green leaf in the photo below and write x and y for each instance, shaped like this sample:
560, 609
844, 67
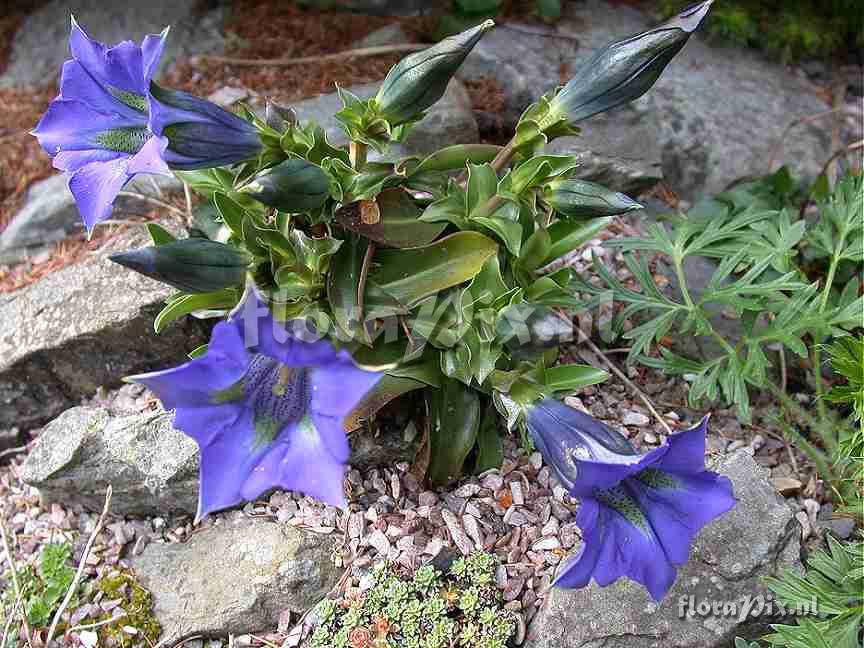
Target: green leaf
573, 377
198, 351
455, 412
159, 235
456, 157
398, 226
509, 231
536, 249
386, 390
342, 285
490, 447
482, 185
567, 235
185, 304
411, 274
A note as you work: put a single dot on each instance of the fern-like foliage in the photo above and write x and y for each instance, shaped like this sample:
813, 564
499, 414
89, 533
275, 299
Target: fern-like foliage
758, 281
834, 578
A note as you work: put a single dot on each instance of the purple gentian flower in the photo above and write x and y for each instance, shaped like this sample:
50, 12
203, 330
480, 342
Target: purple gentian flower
266, 408
97, 128
639, 513
200, 134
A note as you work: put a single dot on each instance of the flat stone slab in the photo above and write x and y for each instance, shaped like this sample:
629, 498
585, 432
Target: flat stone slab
41, 44
82, 327
236, 577
152, 467
757, 538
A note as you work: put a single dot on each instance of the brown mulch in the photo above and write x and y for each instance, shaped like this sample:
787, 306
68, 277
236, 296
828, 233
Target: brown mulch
268, 30
22, 161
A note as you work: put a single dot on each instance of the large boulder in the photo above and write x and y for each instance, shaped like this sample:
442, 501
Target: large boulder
41, 44
236, 577
758, 538
49, 213
715, 115
152, 467
450, 121
79, 328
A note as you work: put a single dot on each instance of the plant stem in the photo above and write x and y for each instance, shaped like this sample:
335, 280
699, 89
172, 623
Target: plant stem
505, 155
4, 537
682, 282
357, 154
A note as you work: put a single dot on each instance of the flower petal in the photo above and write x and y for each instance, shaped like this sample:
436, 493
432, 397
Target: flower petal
151, 50
339, 386
579, 569
71, 125
73, 160
76, 84
95, 187
678, 505
300, 460
592, 475
199, 381
120, 66
151, 158
686, 450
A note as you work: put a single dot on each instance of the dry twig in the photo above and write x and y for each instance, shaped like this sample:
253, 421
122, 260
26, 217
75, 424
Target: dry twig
154, 201
620, 374
81, 565
361, 52
4, 536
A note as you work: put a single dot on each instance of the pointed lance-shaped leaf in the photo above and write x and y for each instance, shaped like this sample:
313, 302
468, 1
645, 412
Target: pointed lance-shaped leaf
419, 80
583, 199
193, 265
529, 326
292, 186
624, 70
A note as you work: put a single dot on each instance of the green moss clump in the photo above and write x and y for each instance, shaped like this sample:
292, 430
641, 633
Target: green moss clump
138, 605
431, 610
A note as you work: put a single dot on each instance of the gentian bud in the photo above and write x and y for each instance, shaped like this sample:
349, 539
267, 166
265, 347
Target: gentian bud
419, 80
624, 70
293, 186
193, 265
583, 199
200, 134
279, 118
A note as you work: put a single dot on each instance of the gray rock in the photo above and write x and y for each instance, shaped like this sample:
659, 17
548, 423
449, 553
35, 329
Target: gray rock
619, 149
525, 61
152, 468
41, 44
450, 121
82, 327
387, 35
758, 538
716, 113
235, 578
49, 214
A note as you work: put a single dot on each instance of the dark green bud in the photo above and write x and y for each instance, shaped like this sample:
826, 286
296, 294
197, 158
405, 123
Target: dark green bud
279, 118
293, 186
624, 70
583, 199
532, 327
419, 80
193, 265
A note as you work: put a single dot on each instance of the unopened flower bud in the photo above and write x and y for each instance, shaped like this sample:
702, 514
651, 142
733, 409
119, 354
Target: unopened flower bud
419, 80
193, 265
624, 70
293, 186
583, 199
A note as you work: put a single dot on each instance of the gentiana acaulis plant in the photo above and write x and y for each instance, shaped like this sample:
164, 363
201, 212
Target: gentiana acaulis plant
345, 283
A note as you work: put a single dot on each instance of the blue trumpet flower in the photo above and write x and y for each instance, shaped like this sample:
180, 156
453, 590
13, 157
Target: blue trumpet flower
639, 513
266, 408
96, 129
